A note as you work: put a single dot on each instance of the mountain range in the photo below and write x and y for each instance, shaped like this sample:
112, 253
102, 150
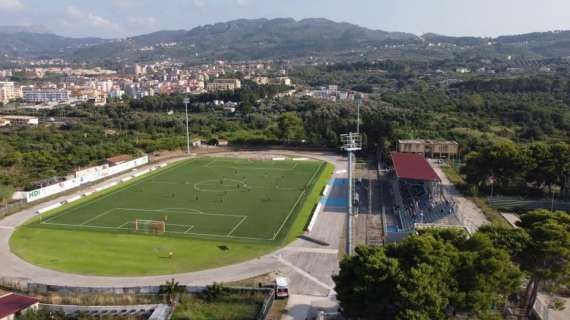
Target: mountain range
274, 39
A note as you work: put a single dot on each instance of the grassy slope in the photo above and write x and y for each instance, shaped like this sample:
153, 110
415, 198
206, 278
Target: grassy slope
135, 255
235, 307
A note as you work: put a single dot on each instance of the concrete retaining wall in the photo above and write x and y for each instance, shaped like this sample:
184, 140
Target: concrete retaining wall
152, 311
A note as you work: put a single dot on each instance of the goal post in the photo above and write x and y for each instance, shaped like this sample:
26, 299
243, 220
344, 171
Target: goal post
150, 226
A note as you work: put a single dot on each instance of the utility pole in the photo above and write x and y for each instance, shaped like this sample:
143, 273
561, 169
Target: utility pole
186, 102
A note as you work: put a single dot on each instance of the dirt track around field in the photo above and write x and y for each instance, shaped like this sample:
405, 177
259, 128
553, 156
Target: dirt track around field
307, 262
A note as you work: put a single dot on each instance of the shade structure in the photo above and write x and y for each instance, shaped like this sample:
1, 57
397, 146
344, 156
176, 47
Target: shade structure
412, 166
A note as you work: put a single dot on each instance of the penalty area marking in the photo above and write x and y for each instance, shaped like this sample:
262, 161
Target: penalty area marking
237, 226
189, 228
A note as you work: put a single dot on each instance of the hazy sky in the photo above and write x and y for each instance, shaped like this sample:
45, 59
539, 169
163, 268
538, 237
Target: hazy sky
119, 18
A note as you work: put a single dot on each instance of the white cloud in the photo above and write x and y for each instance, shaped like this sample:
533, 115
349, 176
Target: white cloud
149, 21
199, 3
11, 5
91, 19
241, 3
74, 13
245, 3
124, 4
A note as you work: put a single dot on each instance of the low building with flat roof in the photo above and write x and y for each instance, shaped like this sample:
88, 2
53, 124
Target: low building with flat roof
197, 142
116, 160
430, 148
42, 95
20, 120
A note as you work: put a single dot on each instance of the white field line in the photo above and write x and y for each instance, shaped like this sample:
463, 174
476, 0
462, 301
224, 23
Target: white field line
198, 213
96, 217
297, 202
179, 225
82, 226
126, 223
171, 232
237, 226
165, 182
66, 212
189, 229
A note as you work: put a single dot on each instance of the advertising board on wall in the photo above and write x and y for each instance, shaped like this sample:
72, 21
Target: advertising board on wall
83, 177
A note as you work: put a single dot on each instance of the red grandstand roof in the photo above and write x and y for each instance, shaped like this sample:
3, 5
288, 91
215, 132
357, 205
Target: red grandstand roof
412, 166
13, 303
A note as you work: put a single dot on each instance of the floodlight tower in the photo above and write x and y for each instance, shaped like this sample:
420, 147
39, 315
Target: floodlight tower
186, 102
350, 143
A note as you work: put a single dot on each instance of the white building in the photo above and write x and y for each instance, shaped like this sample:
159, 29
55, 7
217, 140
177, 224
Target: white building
20, 120
8, 91
286, 81
116, 93
40, 95
224, 85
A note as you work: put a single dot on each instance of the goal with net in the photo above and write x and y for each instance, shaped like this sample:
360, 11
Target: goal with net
150, 226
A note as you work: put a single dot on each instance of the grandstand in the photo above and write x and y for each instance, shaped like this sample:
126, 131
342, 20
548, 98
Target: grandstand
417, 193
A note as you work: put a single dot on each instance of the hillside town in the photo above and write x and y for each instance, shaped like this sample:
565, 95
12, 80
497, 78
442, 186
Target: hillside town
51, 86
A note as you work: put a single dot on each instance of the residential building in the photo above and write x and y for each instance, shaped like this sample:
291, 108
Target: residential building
285, 81
40, 95
224, 85
8, 91
430, 148
20, 120
261, 80
116, 93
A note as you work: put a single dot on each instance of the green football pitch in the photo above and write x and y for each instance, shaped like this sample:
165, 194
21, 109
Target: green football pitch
206, 198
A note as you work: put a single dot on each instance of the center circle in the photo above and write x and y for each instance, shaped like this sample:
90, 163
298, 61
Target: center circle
220, 185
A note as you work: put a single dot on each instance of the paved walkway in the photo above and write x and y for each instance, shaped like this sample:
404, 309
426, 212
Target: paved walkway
302, 307
308, 264
473, 217
545, 300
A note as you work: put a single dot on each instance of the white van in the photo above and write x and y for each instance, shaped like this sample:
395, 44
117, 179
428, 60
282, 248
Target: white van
281, 288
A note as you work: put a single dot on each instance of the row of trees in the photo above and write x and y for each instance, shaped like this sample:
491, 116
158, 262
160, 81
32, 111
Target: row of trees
439, 274
515, 168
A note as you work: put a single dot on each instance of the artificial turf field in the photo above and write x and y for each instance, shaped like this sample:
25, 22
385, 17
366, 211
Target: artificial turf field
246, 207
208, 198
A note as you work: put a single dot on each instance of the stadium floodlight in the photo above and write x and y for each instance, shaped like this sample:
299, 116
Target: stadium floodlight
186, 102
359, 102
350, 143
